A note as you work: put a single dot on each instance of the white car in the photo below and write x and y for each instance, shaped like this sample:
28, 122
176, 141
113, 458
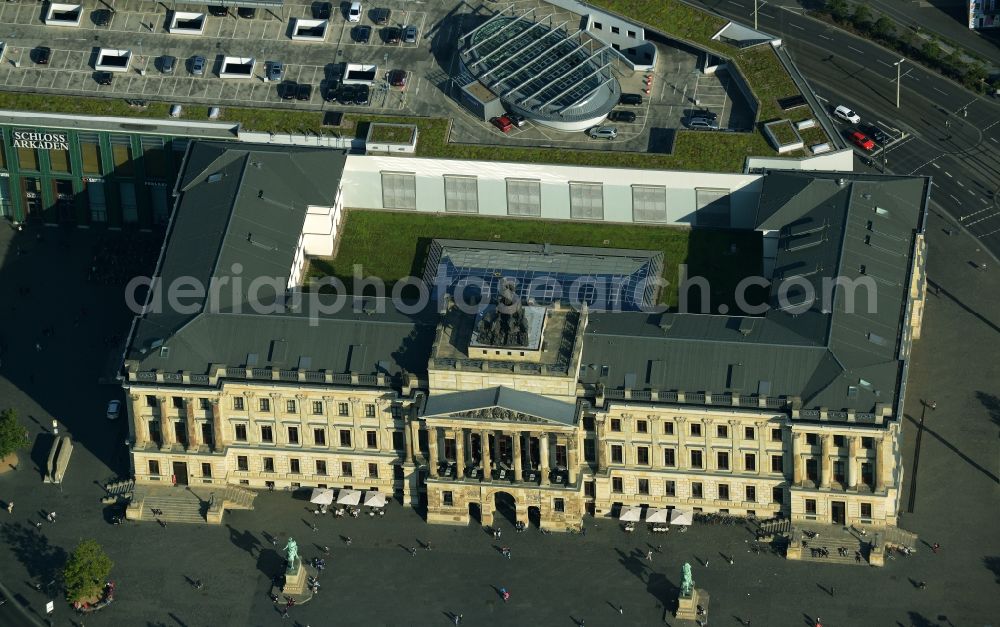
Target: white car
844, 113
354, 13
114, 407
603, 132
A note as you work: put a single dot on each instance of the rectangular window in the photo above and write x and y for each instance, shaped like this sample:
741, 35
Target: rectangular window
615, 30
670, 487
632, 34
373, 470
293, 435
669, 459
59, 161
723, 492
178, 402
290, 407
616, 424
776, 435
559, 505
696, 489
447, 497
121, 154
751, 494
649, 203
777, 494
641, 426
668, 427
589, 451
345, 437
721, 431
318, 408
524, 197
369, 410
204, 403
868, 443
266, 434
642, 455
293, 466
238, 403
866, 510
749, 433
268, 464
777, 463
343, 409
320, 467
371, 439
398, 441
154, 157
265, 404
722, 460
811, 506
90, 153
206, 470
130, 207
696, 459
97, 201
643, 486
616, 454
241, 433
750, 462
242, 463
150, 400
812, 439
616, 484
319, 437
158, 199
27, 158
154, 467
696, 429
712, 207
346, 469
399, 190
461, 194
598, 26
586, 201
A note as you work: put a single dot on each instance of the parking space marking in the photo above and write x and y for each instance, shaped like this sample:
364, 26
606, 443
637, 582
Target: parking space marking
960, 183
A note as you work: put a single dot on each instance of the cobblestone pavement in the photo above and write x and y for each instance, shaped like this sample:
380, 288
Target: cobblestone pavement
554, 579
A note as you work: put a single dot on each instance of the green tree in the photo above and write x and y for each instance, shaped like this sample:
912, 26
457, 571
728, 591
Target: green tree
862, 17
86, 571
931, 50
884, 28
839, 10
13, 435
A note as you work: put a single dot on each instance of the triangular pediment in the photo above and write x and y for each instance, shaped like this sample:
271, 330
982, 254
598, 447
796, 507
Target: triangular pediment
501, 405
497, 413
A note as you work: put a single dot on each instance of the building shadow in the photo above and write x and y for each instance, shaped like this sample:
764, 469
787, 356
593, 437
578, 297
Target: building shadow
940, 291
993, 477
992, 404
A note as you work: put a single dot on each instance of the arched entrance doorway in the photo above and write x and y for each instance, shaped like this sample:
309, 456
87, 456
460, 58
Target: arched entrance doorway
506, 507
535, 516
475, 515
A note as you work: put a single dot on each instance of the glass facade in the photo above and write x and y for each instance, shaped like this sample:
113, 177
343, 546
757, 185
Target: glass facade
65, 176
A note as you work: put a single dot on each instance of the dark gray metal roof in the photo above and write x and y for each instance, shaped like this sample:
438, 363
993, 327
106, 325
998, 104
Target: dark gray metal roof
505, 400
829, 356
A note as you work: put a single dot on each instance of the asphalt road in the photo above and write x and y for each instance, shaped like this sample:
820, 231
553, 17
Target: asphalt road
952, 134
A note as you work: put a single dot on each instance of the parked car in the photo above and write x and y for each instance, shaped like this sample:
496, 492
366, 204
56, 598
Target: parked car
218, 11
880, 136
381, 16
621, 116
362, 95
503, 123
603, 132
41, 55
275, 70
100, 17
361, 34
103, 78
630, 99
247, 13
304, 91
168, 64
321, 10
198, 65
844, 113
114, 408
287, 89
862, 141
354, 12
391, 35
705, 113
410, 35
397, 78
702, 124
518, 119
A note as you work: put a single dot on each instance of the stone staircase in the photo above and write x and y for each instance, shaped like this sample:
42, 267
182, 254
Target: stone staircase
178, 505
774, 527
831, 538
894, 536
235, 497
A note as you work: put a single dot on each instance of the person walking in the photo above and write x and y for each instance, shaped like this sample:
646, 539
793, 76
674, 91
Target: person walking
649, 556
413, 551
10, 507
326, 550
198, 585
922, 585
935, 547
348, 540
621, 610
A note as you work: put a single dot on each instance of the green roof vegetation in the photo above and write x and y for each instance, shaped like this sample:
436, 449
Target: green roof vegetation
391, 133
391, 245
783, 132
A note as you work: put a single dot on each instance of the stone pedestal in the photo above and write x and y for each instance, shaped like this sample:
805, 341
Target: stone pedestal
295, 584
687, 607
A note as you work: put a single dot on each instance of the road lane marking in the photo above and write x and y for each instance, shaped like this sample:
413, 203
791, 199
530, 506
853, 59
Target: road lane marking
955, 199
883, 63
949, 175
940, 91
936, 165
856, 50
826, 38
795, 26
960, 183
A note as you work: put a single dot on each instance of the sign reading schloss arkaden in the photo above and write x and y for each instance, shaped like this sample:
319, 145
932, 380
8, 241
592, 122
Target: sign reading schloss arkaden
43, 141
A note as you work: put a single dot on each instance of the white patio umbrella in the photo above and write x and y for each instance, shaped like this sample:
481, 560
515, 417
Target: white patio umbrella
681, 517
348, 497
374, 499
630, 514
322, 496
657, 516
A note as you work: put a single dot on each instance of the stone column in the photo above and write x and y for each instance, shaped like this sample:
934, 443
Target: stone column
460, 453
518, 475
484, 445
415, 438
881, 457
734, 451
432, 450
216, 426
407, 442
682, 452
166, 423
798, 474
543, 456
852, 462
603, 450
192, 434
140, 426
572, 463
825, 473
763, 437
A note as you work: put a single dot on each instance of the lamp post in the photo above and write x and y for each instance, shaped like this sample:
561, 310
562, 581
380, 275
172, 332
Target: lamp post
899, 65
755, 7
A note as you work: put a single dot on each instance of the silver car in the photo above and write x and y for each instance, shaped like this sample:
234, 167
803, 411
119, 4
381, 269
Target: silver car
410, 35
704, 124
603, 132
198, 65
275, 71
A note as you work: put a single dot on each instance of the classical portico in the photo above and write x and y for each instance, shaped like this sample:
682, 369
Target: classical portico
498, 439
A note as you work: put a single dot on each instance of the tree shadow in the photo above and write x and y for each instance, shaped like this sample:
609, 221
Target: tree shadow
992, 563
41, 559
992, 404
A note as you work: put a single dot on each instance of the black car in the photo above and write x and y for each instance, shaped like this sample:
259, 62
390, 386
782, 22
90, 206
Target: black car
321, 11
621, 116
391, 35
381, 16
247, 13
362, 95
287, 90
516, 118
217, 11
705, 113
630, 99
100, 17
304, 92
41, 55
877, 134
343, 94
103, 78
361, 34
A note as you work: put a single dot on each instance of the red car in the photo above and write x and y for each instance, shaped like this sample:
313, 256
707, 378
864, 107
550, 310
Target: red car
397, 78
862, 141
503, 123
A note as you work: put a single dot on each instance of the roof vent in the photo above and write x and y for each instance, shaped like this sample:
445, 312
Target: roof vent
882, 212
164, 352
841, 182
215, 178
252, 359
666, 321
866, 196
746, 326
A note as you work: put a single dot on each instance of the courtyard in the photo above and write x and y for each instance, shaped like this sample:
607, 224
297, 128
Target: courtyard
950, 496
